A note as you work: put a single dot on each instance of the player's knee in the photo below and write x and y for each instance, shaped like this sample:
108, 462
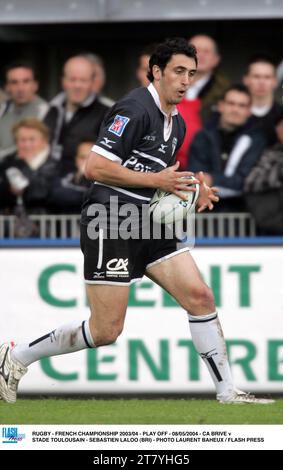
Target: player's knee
103, 337
201, 300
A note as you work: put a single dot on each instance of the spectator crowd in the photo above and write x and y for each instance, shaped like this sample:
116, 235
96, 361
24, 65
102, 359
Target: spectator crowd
234, 134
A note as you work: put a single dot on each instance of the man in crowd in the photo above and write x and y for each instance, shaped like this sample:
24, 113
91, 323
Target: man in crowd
23, 102
264, 188
142, 68
260, 78
99, 77
203, 95
226, 151
76, 114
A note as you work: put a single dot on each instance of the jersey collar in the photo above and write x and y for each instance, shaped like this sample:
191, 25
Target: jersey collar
152, 90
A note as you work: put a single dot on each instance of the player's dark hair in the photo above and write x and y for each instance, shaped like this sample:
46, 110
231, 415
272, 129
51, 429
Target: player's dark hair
20, 64
260, 59
240, 87
164, 51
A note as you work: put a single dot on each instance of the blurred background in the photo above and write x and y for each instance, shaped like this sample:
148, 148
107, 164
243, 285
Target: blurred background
118, 30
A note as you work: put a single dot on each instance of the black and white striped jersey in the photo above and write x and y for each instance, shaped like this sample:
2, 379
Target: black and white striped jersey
137, 134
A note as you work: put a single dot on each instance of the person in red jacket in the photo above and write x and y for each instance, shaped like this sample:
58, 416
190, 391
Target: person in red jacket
205, 92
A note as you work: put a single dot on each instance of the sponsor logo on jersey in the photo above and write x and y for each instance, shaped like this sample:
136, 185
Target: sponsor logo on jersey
118, 125
135, 165
107, 142
117, 267
162, 148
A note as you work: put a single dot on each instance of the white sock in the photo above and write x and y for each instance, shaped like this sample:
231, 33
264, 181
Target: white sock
209, 342
67, 338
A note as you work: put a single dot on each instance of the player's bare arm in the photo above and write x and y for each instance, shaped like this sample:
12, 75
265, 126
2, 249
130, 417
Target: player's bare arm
105, 171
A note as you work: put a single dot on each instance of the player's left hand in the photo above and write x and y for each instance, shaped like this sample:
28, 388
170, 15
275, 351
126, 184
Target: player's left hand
207, 195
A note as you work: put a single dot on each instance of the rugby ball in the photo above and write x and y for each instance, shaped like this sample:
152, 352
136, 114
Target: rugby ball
167, 208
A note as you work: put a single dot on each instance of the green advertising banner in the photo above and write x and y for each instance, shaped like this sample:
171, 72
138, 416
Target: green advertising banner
43, 288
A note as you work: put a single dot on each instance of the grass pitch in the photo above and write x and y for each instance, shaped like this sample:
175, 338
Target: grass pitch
137, 411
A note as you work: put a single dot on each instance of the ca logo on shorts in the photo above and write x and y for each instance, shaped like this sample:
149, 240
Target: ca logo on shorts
116, 264
117, 268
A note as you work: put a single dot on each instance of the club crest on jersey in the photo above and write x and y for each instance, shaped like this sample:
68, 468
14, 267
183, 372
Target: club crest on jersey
118, 125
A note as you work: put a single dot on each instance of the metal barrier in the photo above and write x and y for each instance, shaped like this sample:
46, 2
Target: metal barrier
45, 226
67, 226
225, 225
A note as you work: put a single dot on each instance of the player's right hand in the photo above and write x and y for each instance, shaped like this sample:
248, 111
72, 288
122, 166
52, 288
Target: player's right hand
172, 181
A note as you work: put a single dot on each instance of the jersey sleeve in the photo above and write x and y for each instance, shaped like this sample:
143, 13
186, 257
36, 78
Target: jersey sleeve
121, 131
